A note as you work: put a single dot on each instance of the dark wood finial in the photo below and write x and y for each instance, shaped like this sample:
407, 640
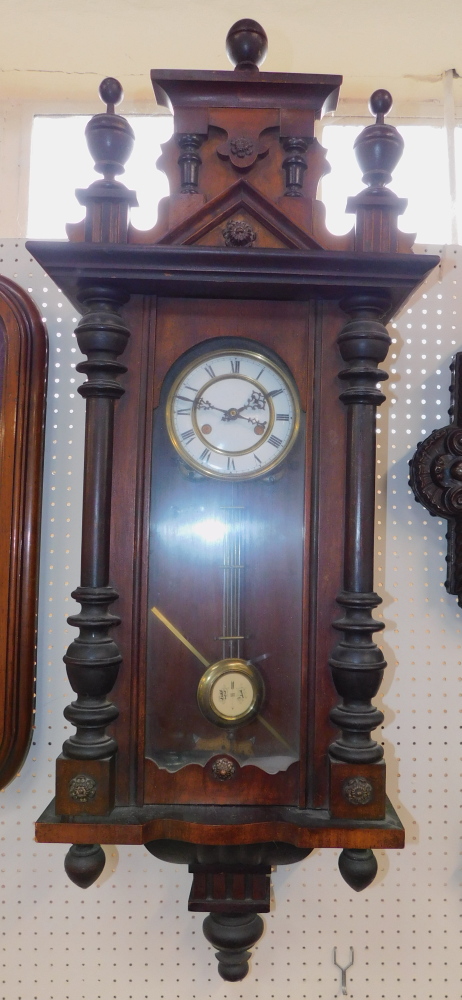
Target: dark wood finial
84, 863
381, 102
109, 136
358, 867
379, 147
246, 44
111, 93
110, 141
233, 934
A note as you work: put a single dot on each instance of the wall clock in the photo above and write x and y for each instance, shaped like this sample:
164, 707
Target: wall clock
23, 369
223, 713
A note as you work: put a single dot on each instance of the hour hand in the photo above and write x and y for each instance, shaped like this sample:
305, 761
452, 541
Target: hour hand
203, 404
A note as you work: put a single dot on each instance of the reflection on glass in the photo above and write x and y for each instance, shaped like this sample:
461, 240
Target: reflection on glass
233, 551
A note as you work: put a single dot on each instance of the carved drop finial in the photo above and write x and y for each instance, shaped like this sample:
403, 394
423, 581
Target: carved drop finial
358, 867
84, 863
246, 44
111, 93
233, 934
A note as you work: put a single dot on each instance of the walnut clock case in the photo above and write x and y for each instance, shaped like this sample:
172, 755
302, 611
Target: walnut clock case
232, 363
23, 376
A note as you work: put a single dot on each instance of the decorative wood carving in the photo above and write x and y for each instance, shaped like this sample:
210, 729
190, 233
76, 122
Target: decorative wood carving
110, 141
239, 261
357, 663
436, 478
238, 233
189, 162
23, 368
294, 165
378, 149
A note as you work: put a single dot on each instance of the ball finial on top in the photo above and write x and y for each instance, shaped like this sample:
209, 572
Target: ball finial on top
246, 44
110, 92
380, 104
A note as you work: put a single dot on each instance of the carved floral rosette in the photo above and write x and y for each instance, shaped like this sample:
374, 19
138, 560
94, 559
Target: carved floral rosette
436, 472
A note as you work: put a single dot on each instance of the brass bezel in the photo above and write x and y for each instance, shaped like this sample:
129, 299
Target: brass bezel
268, 362
209, 679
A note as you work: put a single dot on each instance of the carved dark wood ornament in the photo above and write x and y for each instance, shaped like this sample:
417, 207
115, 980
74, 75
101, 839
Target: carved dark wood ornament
241, 147
243, 150
238, 233
189, 162
23, 369
294, 165
217, 537
436, 479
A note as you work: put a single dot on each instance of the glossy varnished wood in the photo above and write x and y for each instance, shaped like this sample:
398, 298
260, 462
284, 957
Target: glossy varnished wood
240, 250
23, 359
224, 825
171, 328
221, 272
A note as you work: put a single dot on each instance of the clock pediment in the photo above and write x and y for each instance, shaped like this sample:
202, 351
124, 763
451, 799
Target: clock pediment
240, 217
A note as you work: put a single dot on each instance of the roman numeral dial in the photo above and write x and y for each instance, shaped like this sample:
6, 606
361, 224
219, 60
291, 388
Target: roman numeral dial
235, 398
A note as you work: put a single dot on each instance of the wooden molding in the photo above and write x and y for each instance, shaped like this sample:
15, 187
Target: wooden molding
23, 366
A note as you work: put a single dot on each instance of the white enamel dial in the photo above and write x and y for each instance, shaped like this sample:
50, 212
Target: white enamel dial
230, 692
233, 414
232, 695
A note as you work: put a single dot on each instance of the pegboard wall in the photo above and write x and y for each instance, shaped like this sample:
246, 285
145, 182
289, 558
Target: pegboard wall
130, 937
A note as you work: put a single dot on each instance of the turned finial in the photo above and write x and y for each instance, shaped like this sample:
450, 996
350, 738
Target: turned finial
110, 141
380, 103
84, 863
379, 147
246, 44
109, 136
111, 93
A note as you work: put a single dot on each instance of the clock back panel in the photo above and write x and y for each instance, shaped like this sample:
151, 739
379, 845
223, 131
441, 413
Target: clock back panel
289, 588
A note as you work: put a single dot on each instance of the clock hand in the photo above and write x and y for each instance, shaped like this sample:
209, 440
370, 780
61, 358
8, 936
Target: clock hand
256, 401
273, 732
206, 663
252, 420
233, 412
203, 404
179, 636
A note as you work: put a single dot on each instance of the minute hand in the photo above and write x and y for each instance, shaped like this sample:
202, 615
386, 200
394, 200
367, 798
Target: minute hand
176, 632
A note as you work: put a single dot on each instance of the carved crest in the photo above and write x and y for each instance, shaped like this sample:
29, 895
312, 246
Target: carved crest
238, 233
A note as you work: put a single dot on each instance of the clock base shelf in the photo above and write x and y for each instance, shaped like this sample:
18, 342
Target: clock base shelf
209, 824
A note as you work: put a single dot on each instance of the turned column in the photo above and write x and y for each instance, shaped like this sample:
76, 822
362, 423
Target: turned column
357, 663
357, 770
357, 774
85, 771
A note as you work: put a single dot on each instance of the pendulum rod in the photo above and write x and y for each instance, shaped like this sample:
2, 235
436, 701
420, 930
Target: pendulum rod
233, 566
